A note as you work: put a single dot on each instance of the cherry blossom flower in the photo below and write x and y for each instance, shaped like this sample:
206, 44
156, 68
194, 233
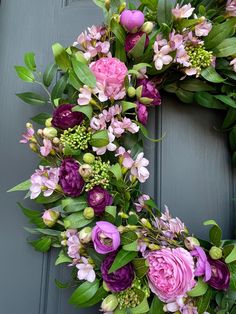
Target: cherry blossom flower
182, 57
182, 12
139, 169
46, 148
97, 123
203, 29
125, 157
176, 40
140, 205
85, 271
26, 137
162, 56
74, 246
85, 96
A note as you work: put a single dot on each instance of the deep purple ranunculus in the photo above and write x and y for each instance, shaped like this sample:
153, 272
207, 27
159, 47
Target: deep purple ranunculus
220, 275
106, 237
69, 178
98, 199
120, 279
132, 20
132, 39
150, 91
64, 117
142, 113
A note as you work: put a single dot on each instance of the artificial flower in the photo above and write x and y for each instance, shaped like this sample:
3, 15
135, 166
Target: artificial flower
140, 205
203, 29
142, 113
231, 7
26, 137
85, 96
139, 170
50, 217
46, 149
74, 245
162, 56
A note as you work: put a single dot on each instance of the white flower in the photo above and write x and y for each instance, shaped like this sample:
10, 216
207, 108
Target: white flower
138, 169
183, 12
162, 56
85, 271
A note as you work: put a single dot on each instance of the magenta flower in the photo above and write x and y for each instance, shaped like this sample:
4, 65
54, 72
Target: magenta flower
106, 237
142, 113
46, 148
183, 12
132, 20
203, 29
70, 180
98, 198
120, 279
132, 39
171, 273
231, 7
149, 90
26, 137
220, 275
203, 267
64, 117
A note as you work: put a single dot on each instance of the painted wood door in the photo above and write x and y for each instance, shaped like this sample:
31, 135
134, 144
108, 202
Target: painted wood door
190, 169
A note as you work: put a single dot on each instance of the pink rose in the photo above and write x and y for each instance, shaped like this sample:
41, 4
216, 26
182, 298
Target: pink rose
171, 273
110, 74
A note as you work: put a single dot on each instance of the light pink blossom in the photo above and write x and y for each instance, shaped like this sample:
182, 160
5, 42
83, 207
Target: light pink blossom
139, 169
110, 147
233, 63
182, 57
125, 157
97, 123
231, 7
26, 137
182, 12
203, 29
74, 246
46, 148
141, 202
161, 56
176, 40
191, 71
85, 96
194, 40
85, 271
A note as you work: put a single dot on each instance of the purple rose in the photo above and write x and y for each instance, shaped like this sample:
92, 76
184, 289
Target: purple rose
132, 39
70, 180
120, 279
220, 275
142, 113
64, 117
98, 199
150, 91
106, 237
132, 20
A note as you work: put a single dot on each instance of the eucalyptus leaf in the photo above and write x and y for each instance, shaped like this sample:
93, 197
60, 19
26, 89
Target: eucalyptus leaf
42, 245
62, 258
41, 118
87, 110
199, 290
211, 75
99, 139
59, 87
23, 186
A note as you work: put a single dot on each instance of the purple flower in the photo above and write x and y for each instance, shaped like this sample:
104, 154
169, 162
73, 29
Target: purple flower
231, 7
203, 267
106, 237
142, 113
64, 117
70, 180
120, 279
98, 199
45, 150
132, 20
132, 39
28, 135
220, 275
150, 91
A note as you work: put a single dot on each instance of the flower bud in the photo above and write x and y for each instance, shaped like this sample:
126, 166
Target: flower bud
105, 286
33, 147
50, 132
146, 223
88, 158
85, 235
123, 215
131, 92
63, 235
48, 122
132, 227
50, 217
215, 252
153, 247
191, 242
56, 141
85, 171
110, 303
107, 4
88, 213
29, 125
145, 100
147, 27
122, 7
139, 91
40, 132
121, 229
64, 242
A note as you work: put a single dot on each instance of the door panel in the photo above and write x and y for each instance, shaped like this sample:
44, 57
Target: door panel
190, 168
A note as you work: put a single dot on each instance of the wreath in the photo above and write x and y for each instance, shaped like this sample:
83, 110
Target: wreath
123, 252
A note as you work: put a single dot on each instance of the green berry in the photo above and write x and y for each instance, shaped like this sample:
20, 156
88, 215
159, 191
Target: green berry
88, 158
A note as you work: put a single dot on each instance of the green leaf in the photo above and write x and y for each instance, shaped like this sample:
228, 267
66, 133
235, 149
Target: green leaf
151, 4
122, 259
232, 256
100, 3
48, 200
42, 245
99, 139
83, 73
116, 170
62, 258
128, 237
229, 119
142, 308
32, 98
156, 307
76, 220
126, 105
138, 49
219, 32
59, 87
185, 96
232, 139
23, 186
204, 301
132, 247
111, 210
226, 100
96, 257
145, 133
29, 59
99, 296
120, 51
49, 74
74, 81
84, 293
199, 290
62, 59
226, 48
41, 118
232, 269
215, 232
119, 31
68, 151
211, 75
74, 204
207, 100
164, 11
87, 110
49, 232
192, 85
35, 216
140, 266
61, 285
24, 74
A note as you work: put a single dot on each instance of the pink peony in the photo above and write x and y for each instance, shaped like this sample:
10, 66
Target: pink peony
110, 74
171, 273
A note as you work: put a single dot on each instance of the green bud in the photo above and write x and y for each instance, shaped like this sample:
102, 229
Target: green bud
85, 235
33, 147
29, 125
48, 122
139, 91
85, 171
107, 4
153, 247
122, 7
50, 217
147, 27
88, 158
56, 140
50, 132
146, 100
215, 252
131, 92
105, 286
88, 213
123, 215
146, 223
64, 242
110, 303
191, 242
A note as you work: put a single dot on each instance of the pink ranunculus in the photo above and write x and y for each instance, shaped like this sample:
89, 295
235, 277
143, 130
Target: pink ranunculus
171, 273
132, 20
110, 74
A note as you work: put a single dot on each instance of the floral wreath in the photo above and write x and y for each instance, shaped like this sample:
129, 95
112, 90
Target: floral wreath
122, 250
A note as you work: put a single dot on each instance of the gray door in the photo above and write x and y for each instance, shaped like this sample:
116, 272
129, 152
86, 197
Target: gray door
190, 169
